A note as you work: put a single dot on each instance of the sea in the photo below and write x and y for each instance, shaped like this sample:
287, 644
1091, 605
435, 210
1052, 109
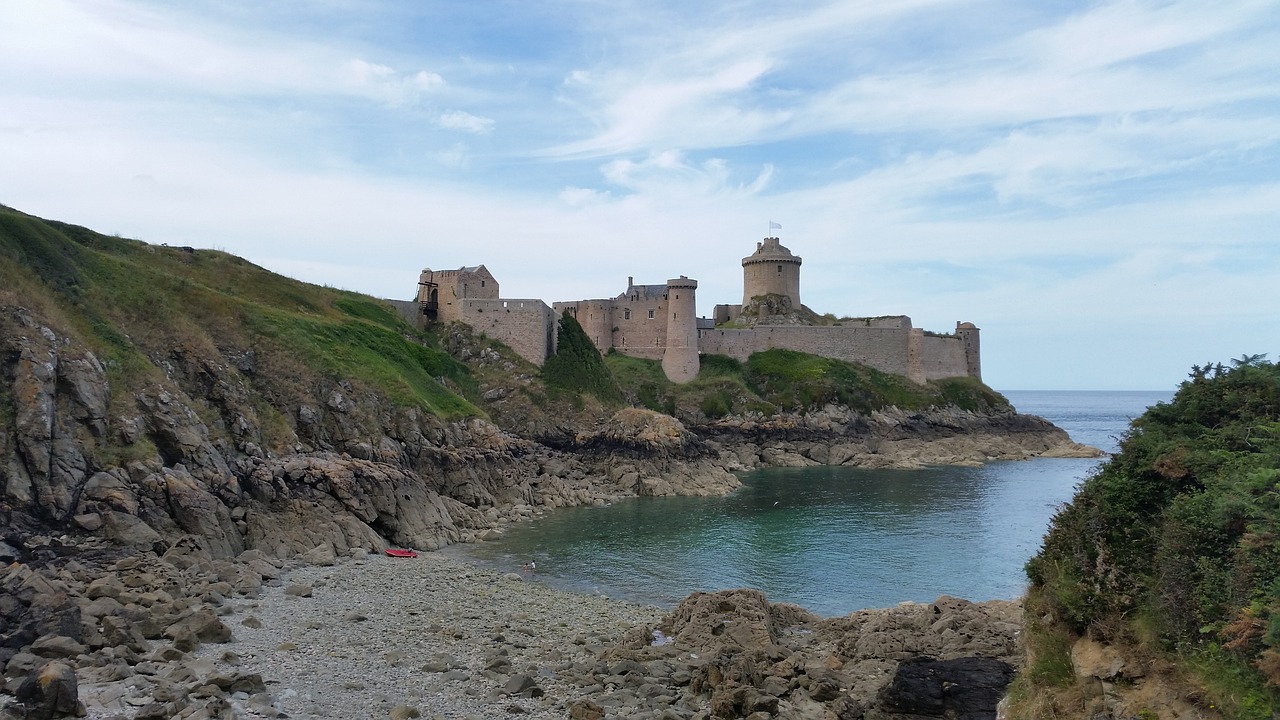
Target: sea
831, 539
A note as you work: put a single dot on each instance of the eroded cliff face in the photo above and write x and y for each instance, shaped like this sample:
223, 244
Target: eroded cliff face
201, 451
131, 515
214, 445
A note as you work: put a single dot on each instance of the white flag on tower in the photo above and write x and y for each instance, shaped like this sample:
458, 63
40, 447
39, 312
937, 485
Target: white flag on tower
775, 226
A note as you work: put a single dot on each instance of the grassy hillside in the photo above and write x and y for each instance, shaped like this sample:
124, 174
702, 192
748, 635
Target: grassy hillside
786, 380
140, 306
137, 304
1173, 548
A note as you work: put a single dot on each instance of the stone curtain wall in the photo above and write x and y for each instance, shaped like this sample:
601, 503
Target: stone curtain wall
942, 356
881, 348
527, 326
410, 310
888, 349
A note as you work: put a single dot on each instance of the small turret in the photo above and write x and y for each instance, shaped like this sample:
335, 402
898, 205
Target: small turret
680, 360
969, 335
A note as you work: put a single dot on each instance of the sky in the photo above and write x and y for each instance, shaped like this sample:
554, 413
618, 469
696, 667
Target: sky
1096, 185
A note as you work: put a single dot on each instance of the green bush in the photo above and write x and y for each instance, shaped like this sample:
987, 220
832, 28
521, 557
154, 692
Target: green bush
1181, 529
577, 367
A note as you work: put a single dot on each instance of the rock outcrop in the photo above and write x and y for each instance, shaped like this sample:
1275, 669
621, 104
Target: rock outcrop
886, 438
744, 655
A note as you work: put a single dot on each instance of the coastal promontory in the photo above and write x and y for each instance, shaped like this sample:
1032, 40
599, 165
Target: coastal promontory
188, 441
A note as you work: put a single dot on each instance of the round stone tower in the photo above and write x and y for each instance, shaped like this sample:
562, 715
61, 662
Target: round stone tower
771, 270
680, 361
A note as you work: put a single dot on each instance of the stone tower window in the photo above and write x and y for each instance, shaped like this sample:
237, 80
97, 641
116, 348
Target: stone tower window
650, 314
779, 268
626, 314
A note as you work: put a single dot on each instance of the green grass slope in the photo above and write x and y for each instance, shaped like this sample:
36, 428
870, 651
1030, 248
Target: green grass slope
1173, 548
787, 380
135, 304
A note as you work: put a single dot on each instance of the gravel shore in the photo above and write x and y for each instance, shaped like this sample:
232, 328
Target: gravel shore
378, 637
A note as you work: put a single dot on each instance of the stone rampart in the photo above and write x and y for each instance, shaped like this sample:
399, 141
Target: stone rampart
884, 349
527, 326
410, 310
942, 356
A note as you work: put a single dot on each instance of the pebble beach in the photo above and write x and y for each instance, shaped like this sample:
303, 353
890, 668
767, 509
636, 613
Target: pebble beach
431, 637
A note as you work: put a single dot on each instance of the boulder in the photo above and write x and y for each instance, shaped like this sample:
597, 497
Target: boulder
968, 687
321, 554
51, 691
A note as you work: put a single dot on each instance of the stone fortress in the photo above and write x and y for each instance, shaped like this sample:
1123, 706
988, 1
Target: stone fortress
659, 322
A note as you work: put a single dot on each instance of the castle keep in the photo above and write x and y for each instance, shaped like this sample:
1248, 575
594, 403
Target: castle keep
659, 322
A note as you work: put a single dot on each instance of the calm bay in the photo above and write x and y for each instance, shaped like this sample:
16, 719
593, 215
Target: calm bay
831, 539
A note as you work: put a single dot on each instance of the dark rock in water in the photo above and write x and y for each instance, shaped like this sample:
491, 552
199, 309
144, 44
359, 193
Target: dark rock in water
965, 688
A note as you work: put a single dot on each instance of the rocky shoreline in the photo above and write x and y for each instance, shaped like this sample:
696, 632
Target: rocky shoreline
141, 527
139, 636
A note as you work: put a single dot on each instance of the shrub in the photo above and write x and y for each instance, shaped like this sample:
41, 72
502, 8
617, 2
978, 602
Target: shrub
1178, 532
577, 366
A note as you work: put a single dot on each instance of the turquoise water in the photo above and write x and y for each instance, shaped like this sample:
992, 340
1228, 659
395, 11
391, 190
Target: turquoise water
831, 539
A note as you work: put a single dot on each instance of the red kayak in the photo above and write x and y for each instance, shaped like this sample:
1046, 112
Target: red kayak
395, 552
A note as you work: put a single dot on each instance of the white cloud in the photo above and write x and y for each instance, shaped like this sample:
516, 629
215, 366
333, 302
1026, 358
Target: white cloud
116, 48
360, 77
466, 122
1083, 186
577, 196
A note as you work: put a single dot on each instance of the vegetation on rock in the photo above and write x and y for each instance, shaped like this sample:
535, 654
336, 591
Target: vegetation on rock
787, 380
137, 304
1173, 547
577, 367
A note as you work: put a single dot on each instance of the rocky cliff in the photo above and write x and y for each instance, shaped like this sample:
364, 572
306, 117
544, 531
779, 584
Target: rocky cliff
157, 402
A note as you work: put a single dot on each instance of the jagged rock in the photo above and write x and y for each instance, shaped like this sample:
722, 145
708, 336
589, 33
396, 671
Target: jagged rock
522, 684
131, 531
51, 691
57, 646
198, 512
320, 555
204, 625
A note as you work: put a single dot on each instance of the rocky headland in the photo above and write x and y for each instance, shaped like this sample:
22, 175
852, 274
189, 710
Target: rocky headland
180, 448
199, 580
